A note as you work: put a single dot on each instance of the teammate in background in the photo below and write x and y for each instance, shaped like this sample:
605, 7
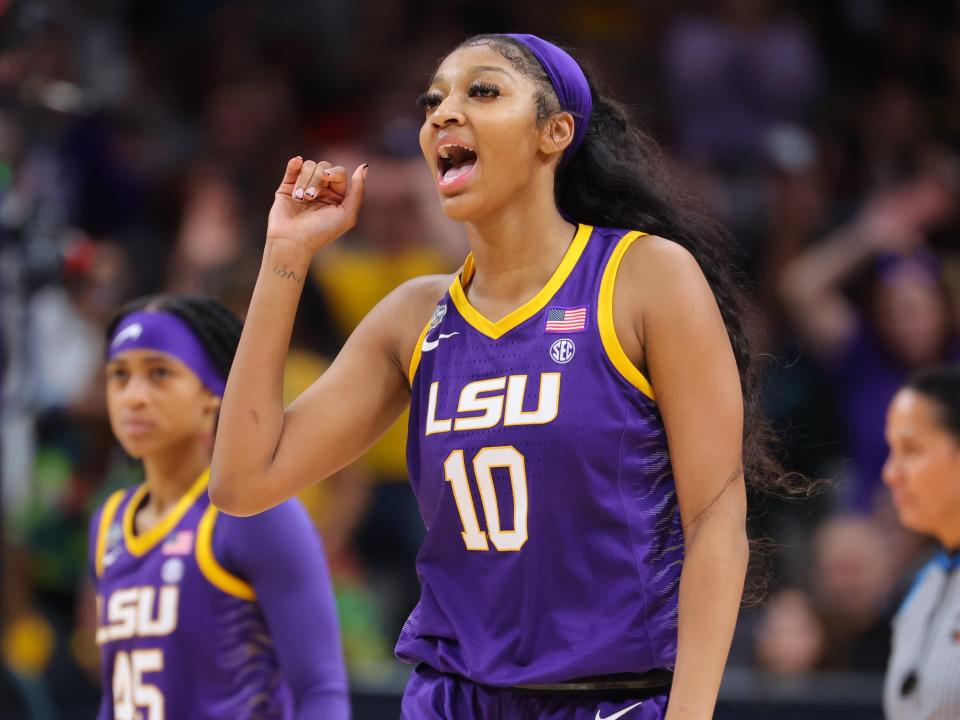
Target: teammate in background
200, 615
576, 437
923, 474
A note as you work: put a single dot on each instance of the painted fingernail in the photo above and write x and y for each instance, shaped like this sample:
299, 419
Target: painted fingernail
311, 191
298, 193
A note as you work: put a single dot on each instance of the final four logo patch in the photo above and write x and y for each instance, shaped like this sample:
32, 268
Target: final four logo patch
114, 547
438, 316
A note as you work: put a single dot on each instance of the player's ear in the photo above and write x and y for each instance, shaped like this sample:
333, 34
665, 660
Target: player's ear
557, 133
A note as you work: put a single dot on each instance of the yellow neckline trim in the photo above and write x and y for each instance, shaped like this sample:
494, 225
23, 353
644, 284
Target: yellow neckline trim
417, 351
532, 306
106, 520
142, 544
212, 570
608, 333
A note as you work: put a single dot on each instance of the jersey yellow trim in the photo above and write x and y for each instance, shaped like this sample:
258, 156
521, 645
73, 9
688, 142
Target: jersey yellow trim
530, 308
139, 545
106, 519
417, 351
608, 334
211, 569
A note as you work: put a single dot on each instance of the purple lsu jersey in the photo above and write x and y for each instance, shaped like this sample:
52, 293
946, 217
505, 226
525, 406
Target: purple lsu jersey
179, 636
540, 464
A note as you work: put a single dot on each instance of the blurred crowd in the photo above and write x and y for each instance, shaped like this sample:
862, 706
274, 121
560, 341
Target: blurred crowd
140, 144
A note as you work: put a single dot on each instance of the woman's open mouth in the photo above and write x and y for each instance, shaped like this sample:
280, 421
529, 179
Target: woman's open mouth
455, 163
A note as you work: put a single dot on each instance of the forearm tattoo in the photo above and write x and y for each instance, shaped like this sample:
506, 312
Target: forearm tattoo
281, 272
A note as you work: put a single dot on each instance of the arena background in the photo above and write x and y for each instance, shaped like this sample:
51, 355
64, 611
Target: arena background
140, 143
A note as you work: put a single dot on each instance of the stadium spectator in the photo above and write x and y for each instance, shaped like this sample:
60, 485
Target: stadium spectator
903, 318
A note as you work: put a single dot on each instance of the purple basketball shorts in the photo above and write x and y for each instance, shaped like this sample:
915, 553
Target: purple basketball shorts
431, 695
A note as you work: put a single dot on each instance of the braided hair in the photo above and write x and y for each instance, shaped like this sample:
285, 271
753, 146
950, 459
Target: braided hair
215, 326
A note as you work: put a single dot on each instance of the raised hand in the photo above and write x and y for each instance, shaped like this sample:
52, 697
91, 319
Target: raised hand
315, 204
898, 218
884, 226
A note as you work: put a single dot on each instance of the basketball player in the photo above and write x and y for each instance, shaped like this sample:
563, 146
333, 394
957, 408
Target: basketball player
576, 411
200, 615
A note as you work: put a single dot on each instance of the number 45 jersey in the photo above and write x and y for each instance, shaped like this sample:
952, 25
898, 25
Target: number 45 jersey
540, 464
180, 637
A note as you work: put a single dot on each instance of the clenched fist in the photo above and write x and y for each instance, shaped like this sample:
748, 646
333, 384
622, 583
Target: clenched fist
315, 204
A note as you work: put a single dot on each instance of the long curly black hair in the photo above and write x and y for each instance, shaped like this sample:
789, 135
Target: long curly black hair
618, 177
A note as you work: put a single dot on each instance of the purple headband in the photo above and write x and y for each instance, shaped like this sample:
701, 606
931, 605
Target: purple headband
168, 334
568, 81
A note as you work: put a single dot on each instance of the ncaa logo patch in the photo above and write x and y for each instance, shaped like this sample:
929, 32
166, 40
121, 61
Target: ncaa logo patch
562, 350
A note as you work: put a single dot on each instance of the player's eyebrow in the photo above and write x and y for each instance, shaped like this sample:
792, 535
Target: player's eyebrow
158, 358
474, 70
151, 359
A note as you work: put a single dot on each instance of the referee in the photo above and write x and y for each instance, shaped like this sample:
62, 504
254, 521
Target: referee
923, 474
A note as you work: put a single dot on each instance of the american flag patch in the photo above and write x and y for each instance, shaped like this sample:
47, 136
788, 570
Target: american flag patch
179, 544
566, 319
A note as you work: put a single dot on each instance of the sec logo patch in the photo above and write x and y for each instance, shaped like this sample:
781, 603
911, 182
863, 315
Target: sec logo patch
172, 571
562, 350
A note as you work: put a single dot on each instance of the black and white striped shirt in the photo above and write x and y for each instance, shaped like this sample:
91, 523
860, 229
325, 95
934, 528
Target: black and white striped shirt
923, 675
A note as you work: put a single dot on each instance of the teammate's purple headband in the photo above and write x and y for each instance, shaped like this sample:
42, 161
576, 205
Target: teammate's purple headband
568, 81
168, 334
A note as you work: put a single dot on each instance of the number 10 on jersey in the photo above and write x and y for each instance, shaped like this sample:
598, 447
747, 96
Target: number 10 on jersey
484, 462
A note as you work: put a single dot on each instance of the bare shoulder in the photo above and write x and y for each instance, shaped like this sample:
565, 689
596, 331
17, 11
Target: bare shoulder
659, 283
401, 316
423, 291
659, 262
658, 273
413, 301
